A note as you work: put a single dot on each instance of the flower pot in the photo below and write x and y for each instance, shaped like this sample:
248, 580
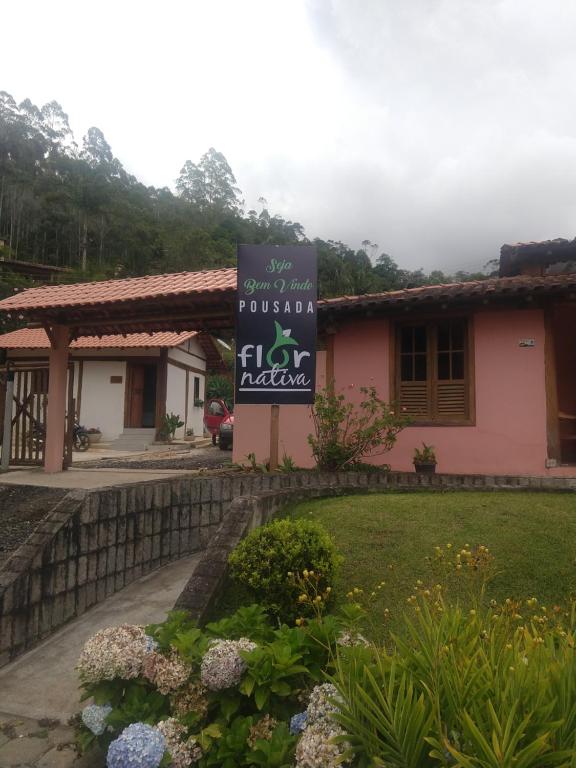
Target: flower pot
425, 467
94, 437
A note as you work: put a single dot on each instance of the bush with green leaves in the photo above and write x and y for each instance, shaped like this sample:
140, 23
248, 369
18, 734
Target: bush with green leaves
224, 695
266, 561
471, 684
170, 423
490, 686
346, 433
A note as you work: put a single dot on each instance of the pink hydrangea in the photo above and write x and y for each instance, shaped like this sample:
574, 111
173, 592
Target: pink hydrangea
167, 673
183, 751
222, 666
114, 652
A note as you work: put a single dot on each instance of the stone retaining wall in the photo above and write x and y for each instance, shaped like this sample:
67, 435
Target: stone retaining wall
93, 543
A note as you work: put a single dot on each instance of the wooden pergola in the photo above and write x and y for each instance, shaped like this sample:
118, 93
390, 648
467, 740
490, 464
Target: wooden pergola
186, 301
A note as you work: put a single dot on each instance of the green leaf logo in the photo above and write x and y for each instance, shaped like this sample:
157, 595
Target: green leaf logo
283, 339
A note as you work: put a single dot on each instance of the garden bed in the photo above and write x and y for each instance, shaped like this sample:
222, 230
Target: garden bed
388, 536
22, 507
488, 682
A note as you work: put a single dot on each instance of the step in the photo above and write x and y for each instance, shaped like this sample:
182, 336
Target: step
134, 439
138, 431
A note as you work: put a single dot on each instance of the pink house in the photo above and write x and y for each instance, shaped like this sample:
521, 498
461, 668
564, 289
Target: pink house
486, 369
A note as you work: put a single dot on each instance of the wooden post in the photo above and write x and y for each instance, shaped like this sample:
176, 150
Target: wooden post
56, 416
161, 390
274, 436
7, 430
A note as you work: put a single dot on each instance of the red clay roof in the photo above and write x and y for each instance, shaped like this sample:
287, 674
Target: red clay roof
36, 338
128, 289
476, 289
88, 297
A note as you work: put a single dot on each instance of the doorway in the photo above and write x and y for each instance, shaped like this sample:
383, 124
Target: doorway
564, 325
141, 395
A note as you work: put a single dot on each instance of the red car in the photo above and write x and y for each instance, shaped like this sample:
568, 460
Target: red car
226, 433
215, 412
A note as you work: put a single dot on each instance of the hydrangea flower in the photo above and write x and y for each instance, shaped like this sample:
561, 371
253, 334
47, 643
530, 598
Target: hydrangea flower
222, 666
263, 729
151, 644
298, 723
315, 748
138, 746
168, 673
351, 639
191, 698
320, 704
114, 652
183, 751
94, 717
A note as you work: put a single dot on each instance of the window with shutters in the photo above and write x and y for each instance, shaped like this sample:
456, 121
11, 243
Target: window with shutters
433, 381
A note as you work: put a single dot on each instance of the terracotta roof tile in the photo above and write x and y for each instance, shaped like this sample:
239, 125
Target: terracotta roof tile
493, 287
129, 289
36, 338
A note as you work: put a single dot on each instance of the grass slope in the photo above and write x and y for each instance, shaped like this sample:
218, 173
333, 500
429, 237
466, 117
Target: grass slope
387, 537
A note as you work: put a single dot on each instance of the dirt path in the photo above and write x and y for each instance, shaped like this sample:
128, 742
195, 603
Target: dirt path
202, 458
21, 509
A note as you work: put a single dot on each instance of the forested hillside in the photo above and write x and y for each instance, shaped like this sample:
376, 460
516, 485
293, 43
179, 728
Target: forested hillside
74, 205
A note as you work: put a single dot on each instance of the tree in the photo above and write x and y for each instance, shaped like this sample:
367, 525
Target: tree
210, 185
95, 149
81, 210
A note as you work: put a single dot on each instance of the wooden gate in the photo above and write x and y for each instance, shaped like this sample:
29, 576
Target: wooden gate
30, 401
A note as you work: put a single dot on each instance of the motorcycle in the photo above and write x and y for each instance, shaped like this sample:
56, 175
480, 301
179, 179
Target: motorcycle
80, 439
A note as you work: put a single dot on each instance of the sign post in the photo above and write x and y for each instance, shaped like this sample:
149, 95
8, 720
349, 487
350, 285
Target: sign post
276, 329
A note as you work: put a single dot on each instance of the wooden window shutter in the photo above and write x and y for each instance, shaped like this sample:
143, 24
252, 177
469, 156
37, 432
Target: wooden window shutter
450, 370
414, 398
433, 370
451, 399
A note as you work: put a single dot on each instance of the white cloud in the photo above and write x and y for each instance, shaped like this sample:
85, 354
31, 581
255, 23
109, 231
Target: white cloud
437, 128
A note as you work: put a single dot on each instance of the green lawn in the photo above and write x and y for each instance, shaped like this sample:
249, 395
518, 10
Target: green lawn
387, 537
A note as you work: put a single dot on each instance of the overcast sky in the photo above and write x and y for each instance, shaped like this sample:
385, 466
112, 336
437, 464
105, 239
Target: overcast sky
438, 129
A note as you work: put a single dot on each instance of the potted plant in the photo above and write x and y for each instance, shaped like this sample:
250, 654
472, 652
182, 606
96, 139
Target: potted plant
94, 435
425, 459
170, 423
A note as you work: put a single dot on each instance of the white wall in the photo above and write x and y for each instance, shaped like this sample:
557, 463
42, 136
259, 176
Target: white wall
102, 402
192, 355
195, 418
194, 358
176, 395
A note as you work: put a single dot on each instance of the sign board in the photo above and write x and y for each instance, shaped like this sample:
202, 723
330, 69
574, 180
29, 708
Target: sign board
276, 324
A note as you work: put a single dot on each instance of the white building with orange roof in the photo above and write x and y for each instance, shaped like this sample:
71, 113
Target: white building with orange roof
121, 384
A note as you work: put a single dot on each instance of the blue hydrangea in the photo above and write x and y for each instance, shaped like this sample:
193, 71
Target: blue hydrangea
298, 723
151, 644
94, 717
138, 746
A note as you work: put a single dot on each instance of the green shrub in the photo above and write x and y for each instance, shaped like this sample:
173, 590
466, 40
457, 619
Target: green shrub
227, 702
266, 557
346, 433
493, 686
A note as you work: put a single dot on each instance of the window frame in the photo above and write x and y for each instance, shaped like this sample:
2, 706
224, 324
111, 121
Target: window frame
432, 365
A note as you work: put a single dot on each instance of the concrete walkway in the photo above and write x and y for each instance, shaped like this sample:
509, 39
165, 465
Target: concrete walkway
39, 691
86, 478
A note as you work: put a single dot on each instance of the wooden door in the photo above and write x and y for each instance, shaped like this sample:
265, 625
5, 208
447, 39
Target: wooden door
135, 395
